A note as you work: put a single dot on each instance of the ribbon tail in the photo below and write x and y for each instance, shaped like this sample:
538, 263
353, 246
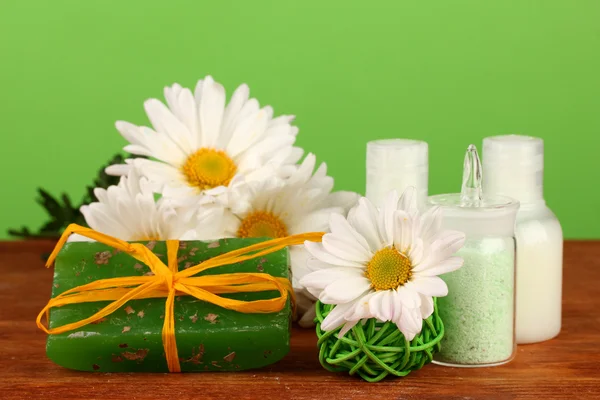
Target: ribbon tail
89, 233
109, 309
168, 335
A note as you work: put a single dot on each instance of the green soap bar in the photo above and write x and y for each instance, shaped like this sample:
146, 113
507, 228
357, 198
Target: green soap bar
209, 338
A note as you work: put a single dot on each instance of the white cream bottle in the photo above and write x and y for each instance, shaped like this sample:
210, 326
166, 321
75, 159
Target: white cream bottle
397, 164
513, 166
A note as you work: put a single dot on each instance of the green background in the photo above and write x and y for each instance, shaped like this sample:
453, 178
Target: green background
448, 72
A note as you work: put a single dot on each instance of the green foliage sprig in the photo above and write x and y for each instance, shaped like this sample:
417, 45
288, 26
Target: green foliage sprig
62, 211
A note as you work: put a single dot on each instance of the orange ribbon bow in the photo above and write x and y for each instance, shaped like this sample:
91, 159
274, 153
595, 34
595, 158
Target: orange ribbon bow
168, 282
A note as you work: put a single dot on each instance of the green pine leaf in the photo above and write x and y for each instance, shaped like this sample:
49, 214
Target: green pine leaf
23, 232
48, 201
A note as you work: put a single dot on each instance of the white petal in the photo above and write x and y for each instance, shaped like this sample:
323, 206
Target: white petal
317, 250
282, 120
403, 231
238, 99
429, 286
347, 326
410, 322
335, 318
182, 104
431, 223
362, 308
248, 131
387, 219
321, 278
295, 153
345, 250
417, 251
198, 91
117, 169
343, 199
439, 268
178, 190
313, 222
381, 305
303, 171
165, 122
314, 264
299, 259
363, 218
408, 201
345, 290
426, 306
444, 245
160, 174
272, 146
129, 211
159, 144
215, 222
407, 296
211, 109
447, 243
341, 228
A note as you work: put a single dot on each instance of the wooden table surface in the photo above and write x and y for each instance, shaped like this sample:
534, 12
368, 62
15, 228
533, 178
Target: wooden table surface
565, 367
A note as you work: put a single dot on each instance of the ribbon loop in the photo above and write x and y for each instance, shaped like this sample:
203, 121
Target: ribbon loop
168, 282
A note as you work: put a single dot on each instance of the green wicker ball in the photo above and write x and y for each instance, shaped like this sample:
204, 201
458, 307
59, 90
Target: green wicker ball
374, 350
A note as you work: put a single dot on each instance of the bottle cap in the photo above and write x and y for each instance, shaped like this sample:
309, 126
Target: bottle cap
513, 166
396, 164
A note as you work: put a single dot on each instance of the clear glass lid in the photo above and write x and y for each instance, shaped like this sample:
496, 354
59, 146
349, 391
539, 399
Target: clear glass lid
471, 210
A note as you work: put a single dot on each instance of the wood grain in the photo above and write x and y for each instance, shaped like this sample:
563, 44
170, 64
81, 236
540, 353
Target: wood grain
565, 367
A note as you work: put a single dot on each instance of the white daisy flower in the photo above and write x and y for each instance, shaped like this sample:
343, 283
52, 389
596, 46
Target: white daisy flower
199, 145
302, 202
383, 263
129, 212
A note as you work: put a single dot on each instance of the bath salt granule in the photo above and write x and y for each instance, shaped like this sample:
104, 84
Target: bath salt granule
478, 312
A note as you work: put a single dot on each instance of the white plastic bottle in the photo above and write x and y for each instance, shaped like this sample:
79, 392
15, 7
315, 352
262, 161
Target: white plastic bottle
397, 164
513, 166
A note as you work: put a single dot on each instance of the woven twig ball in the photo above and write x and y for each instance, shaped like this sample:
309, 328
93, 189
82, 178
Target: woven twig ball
374, 350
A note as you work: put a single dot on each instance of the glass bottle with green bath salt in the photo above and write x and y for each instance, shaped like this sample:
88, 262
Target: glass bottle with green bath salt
479, 310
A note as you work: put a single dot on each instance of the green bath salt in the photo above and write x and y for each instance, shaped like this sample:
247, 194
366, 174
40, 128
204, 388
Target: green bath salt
478, 312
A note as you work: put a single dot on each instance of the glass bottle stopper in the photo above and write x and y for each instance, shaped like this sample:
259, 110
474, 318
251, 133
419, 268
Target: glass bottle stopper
471, 193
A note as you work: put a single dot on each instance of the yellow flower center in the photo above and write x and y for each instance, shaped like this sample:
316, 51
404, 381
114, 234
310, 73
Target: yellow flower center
388, 269
262, 224
209, 168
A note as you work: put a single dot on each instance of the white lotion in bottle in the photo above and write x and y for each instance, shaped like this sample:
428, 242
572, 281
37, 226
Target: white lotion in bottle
513, 166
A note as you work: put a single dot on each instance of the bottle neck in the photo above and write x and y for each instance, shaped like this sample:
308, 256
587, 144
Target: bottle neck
521, 184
